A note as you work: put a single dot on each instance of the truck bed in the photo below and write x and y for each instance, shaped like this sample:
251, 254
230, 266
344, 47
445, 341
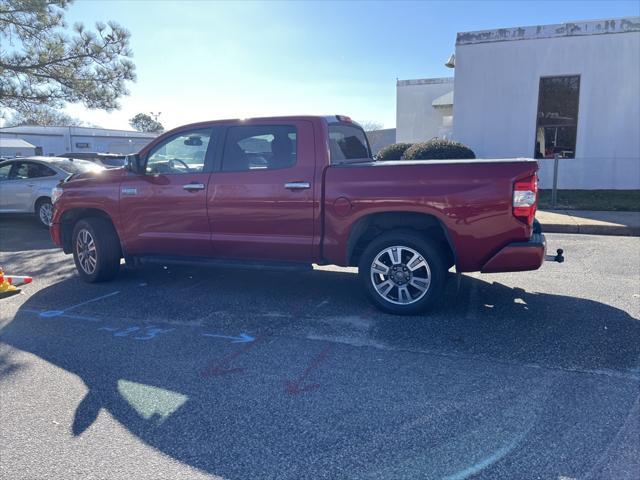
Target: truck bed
470, 198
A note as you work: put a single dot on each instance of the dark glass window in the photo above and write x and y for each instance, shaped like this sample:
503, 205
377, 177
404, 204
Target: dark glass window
25, 170
75, 166
347, 142
557, 123
37, 170
259, 147
182, 153
5, 169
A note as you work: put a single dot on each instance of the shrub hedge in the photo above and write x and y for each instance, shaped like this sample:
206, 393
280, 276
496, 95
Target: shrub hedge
394, 151
438, 149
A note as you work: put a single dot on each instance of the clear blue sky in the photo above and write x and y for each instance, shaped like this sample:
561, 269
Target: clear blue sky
205, 60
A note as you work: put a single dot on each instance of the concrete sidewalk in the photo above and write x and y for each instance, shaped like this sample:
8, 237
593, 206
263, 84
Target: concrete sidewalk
589, 222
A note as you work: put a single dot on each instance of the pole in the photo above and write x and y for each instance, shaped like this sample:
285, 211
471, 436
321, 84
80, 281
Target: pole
554, 192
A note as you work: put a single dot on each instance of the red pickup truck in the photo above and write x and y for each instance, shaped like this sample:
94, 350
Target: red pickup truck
294, 191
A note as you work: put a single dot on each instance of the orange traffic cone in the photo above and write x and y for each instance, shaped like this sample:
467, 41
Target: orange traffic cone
8, 284
16, 280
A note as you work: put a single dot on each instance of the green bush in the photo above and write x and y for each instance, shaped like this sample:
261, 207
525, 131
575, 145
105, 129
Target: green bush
438, 149
395, 151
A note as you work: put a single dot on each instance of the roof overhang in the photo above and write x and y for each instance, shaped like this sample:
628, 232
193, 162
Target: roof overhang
443, 101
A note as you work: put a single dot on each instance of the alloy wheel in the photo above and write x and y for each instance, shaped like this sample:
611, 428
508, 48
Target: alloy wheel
400, 275
45, 213
86, 251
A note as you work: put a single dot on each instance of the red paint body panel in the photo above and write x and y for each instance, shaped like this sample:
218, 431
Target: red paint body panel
472, 201
252, 215
99, 191
163, 217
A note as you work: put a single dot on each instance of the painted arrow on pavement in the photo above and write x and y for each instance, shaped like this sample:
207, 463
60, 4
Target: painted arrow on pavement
218, 368
243, 338
298, 386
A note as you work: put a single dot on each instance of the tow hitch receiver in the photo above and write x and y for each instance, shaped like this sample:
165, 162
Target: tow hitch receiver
559, 257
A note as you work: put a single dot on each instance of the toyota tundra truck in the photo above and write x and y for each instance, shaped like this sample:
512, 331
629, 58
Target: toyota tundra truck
301, 190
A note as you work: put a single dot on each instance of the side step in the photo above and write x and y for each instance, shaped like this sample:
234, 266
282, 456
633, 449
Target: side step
222, 263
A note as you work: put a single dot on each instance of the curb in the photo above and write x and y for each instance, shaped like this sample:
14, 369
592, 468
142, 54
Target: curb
618, 230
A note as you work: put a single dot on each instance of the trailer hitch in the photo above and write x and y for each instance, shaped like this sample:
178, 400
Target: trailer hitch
558, 257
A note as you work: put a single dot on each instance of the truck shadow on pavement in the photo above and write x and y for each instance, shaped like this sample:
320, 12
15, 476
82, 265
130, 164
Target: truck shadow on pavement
497, 380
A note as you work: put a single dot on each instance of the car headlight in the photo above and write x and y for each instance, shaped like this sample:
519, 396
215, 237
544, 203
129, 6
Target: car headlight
56, 193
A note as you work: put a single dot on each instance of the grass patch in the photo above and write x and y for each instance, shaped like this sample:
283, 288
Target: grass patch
605, 200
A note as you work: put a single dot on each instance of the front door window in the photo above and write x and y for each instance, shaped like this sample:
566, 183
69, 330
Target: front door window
184, 153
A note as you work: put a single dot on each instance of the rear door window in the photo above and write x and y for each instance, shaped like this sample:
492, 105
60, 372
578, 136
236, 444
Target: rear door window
347, 142
259, 147
20, 171
37, 170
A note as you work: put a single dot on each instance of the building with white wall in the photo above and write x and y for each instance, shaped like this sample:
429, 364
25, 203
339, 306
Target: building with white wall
56, 140
423, 109
571, 90
15, 147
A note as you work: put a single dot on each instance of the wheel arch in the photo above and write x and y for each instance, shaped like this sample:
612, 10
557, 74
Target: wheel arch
39, 199
70, 217
369, 226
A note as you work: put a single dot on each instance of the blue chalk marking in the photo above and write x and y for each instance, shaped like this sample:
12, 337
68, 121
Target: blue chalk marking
92, 300
62, 313
243, 338
152, 332
144, 333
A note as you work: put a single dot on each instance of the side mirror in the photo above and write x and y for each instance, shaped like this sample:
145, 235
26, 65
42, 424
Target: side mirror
135, 164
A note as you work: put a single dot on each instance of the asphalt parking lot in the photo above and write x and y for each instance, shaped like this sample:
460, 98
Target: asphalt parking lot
199, 373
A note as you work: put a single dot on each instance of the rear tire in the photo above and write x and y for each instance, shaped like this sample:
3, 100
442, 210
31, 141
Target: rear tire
403, 273
96, 250
44, 212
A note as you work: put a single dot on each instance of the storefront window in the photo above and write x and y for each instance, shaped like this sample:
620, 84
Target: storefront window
557, 117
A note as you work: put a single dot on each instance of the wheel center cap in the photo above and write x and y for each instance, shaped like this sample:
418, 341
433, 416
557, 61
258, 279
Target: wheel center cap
400, 275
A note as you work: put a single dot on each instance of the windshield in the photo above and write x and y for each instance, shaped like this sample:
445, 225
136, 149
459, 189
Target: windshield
76, 166
347, 142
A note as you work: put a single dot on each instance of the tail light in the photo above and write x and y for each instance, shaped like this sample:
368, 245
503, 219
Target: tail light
525, 199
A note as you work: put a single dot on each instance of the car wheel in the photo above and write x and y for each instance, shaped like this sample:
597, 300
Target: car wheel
403, 273
44, 212
96, 250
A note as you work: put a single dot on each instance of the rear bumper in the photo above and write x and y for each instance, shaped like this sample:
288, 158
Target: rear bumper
519, 256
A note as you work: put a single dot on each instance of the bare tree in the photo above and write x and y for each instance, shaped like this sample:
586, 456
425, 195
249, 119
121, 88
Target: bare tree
370, 125
42, 116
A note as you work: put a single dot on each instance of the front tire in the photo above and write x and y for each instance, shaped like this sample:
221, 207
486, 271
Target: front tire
96, 250
403, 273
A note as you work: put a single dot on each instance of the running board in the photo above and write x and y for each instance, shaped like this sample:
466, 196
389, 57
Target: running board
222, 263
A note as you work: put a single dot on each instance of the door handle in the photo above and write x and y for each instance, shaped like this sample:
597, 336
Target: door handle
192, 187
297, 185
